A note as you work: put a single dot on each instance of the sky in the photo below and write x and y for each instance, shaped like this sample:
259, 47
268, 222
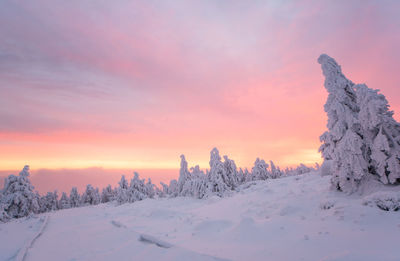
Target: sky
128, 85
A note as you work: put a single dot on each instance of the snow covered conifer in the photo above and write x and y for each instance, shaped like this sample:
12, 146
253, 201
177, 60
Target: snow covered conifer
74, 198
49, 202
260, 170
122, 191
184, 174
173, 188
91, 196
18, 199
197, 186
343, 142
137, 189
275, 171
107, 194
150, 188
381, 134
231, 173
217, 173
163, 192
64, 203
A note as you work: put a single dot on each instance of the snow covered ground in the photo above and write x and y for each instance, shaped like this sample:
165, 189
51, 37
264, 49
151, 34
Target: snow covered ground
293, 218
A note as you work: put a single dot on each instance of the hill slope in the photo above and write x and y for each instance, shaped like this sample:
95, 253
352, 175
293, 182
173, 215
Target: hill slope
293, 218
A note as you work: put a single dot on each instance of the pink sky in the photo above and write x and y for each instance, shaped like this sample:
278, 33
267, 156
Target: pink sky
134, 84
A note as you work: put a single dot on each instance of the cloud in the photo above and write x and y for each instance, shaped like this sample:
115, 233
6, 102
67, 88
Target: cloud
81, 79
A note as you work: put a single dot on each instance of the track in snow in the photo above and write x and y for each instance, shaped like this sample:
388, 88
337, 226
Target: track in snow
24, 250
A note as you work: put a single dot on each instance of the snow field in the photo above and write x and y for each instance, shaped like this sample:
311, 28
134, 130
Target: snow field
293, 218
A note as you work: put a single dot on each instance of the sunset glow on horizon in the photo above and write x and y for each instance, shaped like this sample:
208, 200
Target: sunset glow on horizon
134, 84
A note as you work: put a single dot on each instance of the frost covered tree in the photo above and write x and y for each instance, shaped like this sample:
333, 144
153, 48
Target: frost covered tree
150, 189
173, 188
184, 176
107, 194
231, 178
64, 203
122, 191
260, 170
275, 171
74, 198
4, 217
247, 175
217, 174
241, 176
49, 202
193, 182
18, 198
381, 134
137, 189
301, 169
163, 192
91, 196
198, 185
343, 142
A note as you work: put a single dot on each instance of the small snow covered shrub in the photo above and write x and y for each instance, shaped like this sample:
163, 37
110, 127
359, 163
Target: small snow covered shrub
387, 200
325, 205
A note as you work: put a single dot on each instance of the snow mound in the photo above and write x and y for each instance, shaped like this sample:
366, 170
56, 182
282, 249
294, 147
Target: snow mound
155, 241
386, 200
328, 204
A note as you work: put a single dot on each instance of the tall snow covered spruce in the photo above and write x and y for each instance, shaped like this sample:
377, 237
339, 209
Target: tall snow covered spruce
362, 140
381, 134
18, 198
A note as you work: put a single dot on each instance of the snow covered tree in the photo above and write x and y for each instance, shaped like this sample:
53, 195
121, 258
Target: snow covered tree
122, 191
343, 142
381, 134
4, 217
231, 174
184, 175
275, 171
137, 189
163, 192
301, 169
91, 196
173, 188
49, 202
197, 186
260, 170
192, 183
150, 189
64, 203
247, 175
217, 175
18, 198
107, 194
241, 176
74, 198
